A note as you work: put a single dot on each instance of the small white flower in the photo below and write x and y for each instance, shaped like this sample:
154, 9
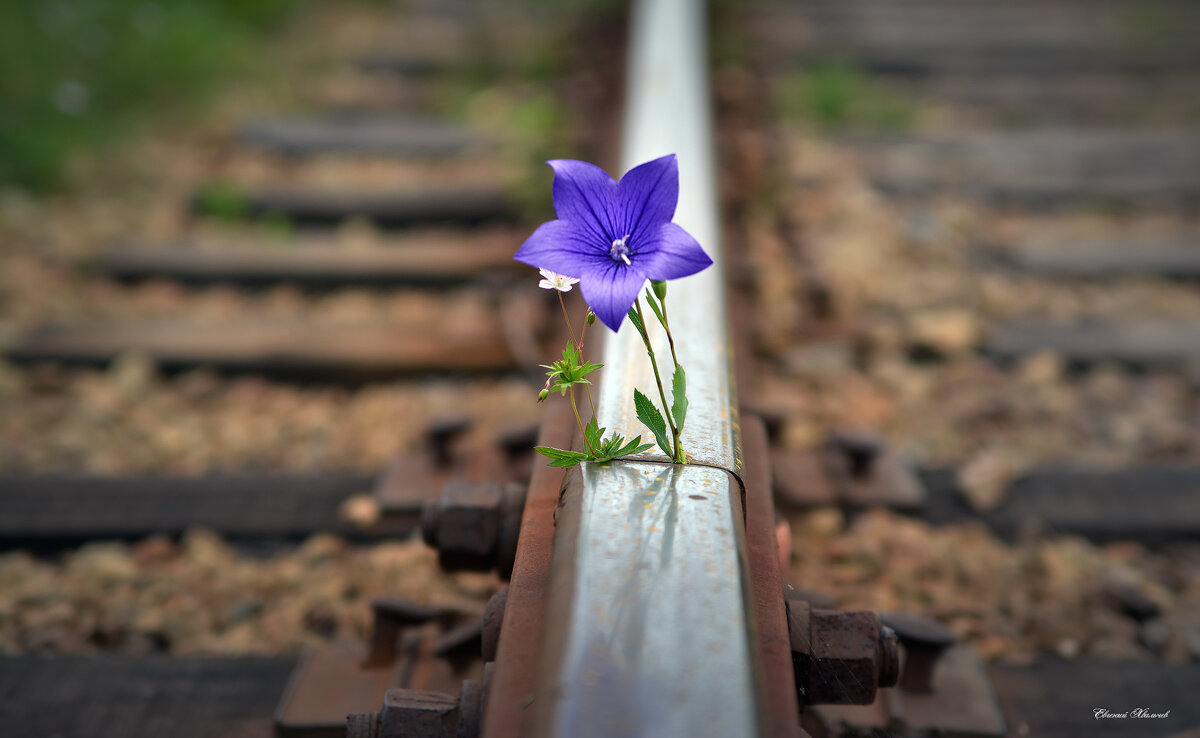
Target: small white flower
554, 281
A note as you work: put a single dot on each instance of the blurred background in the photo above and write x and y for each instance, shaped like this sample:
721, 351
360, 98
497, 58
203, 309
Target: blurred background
257, 305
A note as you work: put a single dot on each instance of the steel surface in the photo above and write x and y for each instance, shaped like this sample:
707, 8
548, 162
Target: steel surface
649, 607
668, 112
650, 628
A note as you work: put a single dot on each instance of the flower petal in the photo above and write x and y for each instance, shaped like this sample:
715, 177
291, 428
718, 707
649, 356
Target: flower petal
671, 253
585, 195
611, 290
561, 247
647, 196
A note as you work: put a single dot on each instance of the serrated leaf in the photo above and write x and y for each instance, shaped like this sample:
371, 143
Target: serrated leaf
653, 419
588, 368
679, 402
654, 306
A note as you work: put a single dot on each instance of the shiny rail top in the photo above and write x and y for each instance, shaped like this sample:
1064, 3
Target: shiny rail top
667, 111
649, 627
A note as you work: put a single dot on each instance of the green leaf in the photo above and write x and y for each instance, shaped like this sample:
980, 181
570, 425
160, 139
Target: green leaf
593, 434
637, 321
588, 368
559, 457
634, 447
559, 454
679, 403
649, 414
612, 448
654, 306
570, 358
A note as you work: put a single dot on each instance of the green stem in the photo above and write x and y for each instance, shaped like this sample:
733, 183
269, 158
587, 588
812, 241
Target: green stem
677, 450
662, 304
579, 347
579, 422
570, 330
587, 387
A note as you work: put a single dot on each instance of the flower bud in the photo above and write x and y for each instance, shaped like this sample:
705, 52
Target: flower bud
591, 317
543, 395
660, 288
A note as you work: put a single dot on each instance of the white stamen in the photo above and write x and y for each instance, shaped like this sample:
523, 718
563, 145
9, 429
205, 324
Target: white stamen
619, 250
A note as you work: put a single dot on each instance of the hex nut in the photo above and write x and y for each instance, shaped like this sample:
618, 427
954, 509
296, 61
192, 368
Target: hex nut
465, 525
840, 657
414, 714
362, 725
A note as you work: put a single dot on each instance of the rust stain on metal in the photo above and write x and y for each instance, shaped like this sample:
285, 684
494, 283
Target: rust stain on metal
766, 586
520, 639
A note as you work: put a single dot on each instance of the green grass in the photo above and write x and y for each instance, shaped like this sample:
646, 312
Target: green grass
223, 201
839, 95
73, 74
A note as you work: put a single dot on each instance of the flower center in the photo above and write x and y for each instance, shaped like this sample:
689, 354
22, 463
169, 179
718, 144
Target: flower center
619, 251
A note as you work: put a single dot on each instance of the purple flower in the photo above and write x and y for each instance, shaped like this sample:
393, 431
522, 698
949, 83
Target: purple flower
613, 236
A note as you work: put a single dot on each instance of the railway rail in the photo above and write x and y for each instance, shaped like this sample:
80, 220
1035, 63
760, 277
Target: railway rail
643, 598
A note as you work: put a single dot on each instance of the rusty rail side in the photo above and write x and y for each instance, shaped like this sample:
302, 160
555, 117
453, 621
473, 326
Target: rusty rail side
519, 650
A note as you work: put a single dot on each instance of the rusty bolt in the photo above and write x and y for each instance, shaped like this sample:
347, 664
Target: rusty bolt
362, 725
924, 641
475, 526
414, 714
840, 657
409, 713
889, 657
473, 703
860, 449
464, 525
